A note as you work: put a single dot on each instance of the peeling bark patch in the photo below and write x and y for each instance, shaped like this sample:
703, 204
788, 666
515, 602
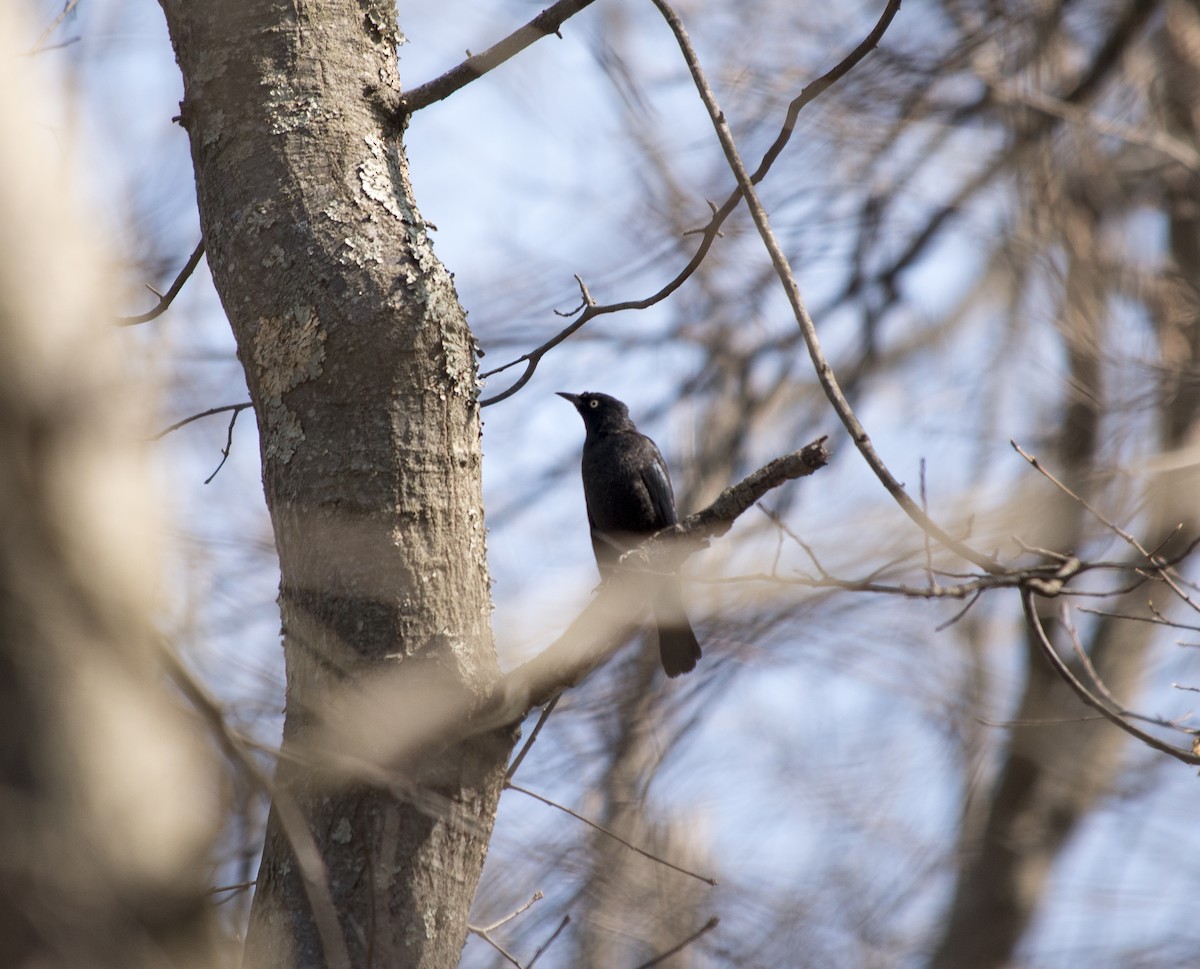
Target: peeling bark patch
425, 278
459, 361
381, 19
376, 177
288, 110
287, 351
361, 251
284, 433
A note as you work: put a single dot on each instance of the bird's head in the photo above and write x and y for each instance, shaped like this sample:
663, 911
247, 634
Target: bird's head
600, 412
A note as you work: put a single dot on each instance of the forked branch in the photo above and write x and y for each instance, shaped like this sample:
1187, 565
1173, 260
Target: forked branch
589, 309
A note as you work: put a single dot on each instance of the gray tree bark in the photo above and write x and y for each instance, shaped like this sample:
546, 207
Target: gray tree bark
362, 372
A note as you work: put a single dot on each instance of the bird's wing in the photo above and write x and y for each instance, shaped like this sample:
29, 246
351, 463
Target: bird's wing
658, 483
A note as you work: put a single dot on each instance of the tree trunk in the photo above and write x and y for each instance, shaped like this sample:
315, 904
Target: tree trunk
362, 372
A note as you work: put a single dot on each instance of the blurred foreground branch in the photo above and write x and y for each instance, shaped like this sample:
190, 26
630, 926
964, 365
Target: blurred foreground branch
109, 800
394, 720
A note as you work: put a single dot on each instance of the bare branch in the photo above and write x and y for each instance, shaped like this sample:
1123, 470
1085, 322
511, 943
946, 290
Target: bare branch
783, 269
1160, 567
536, 897
228, 444
818, 87
1157, 619
475, 66
486, 936
730, 504
616, 837
40, 44
707, 927
1110, 525
168, 297
710, 233
1086, 695
1119, 708
1049, 580
546, 711
404, 724
566, 920
225, 408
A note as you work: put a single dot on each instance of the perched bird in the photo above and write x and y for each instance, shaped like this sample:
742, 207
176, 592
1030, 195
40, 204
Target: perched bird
628, 494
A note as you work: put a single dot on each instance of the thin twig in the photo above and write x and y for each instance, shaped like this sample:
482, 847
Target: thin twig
169, 296
566, 920
537, 728
239, 887
1047, 722
228, 445
536, 897
784, 529
508, 956
1114, 704
941, 627
712, 231
616, 837
1075, 496
196, 417
549, 21
485, 932
1157, 620
1067, 674
707, 927
1050, 582
39, 44
924, 533
1160, 567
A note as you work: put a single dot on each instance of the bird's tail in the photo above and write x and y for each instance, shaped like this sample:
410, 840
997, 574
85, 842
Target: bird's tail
677, 644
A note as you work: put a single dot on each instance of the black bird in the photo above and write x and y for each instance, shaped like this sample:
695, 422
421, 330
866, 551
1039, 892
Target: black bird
628, 494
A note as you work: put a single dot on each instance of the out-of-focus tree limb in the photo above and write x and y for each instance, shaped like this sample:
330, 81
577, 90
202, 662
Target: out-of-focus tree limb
394, 720
110, 803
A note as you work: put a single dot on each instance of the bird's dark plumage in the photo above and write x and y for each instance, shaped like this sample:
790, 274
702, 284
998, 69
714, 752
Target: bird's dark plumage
628, 494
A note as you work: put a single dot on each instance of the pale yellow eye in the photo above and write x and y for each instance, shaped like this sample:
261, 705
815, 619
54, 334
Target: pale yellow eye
593, 403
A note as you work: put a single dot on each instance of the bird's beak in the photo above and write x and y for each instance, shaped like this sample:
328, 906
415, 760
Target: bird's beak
573, 398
